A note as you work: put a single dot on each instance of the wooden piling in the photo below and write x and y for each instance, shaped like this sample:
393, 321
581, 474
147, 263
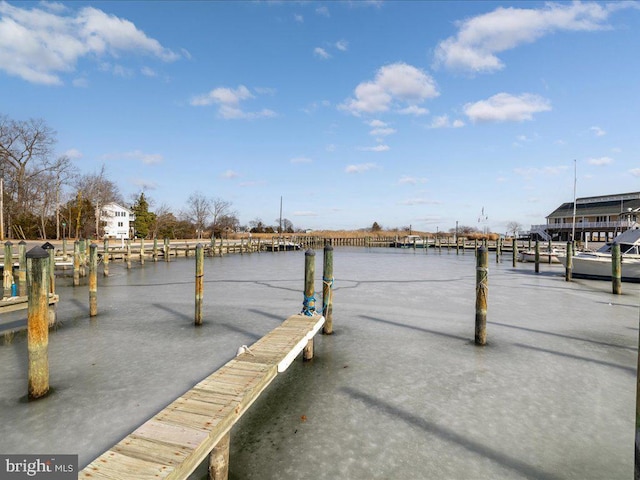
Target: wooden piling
76, 263
93, 280
637, 443
7, 279
327, 290
128, 254
38, 322
482, 291
569, 266
166, 249
219, 459
22, 268
309, 303
498, 249
199, 283
616, 269
64, 249
142, 254
155, 249
537, 257
52, 265
549, 246
514, 249
105, 258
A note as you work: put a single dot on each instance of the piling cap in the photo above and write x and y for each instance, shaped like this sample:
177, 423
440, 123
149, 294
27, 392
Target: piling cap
309, 253
48, 246
37, 252
22, 242
8, 243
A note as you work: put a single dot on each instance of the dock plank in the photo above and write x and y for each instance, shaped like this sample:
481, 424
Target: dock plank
178, 438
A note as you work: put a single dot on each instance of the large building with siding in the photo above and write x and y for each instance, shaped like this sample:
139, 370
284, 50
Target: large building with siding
116, 221
597, 219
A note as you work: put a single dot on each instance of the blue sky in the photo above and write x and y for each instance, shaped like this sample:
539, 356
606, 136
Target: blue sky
403, 113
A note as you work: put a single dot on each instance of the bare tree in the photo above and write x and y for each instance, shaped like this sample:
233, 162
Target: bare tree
198, 211
98, 190
514, 227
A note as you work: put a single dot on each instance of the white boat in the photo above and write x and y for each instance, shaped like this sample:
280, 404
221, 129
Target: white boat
410, 241
530, 255
598, 264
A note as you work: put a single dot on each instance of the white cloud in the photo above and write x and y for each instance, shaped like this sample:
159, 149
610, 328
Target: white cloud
321, 53
408, 180
418, 201
80, 82
382, 132
38, 45
635, 172
479, 39
413, 110
73, 153
342, 45
600, 161
229, 174
323, 11
301, 160
148, 72
443, 121
361, 167
377, 148
298, 18
504, 107
598, 132
146, 158
229, 100
394, 84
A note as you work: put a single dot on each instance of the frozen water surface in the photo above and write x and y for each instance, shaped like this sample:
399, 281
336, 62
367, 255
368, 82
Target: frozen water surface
399, 390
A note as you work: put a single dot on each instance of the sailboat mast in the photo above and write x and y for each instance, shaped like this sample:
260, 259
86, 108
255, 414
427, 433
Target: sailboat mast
573, 225
280, 225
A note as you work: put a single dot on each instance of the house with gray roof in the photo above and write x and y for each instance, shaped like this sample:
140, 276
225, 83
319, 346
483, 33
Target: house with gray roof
598, 219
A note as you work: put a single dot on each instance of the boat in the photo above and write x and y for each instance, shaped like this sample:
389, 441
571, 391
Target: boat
598, 264
410, 241
530, 255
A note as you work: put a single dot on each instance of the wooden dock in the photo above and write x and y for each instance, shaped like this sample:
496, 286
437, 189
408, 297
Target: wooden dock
175, 441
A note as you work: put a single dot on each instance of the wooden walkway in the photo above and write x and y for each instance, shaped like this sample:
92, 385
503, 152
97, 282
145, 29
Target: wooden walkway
175, 441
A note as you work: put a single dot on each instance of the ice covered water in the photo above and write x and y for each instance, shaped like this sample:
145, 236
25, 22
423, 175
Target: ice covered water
399, 390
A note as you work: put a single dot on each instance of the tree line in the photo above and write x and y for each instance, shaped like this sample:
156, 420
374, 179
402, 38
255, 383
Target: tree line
46, 196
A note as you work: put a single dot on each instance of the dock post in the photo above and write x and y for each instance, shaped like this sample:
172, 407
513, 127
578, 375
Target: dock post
166, 249
537, 256
105, 258
22, 268
83, 257
155, 249
637, 448
309, 303
142, 254
569, 266
514, 250
52, 265
327, 290
616, 269
219, 459
482, 291
128, 253
498, 249
549, 247
199, 283
64, 249
76, 263
7, 279
93, 280
38, 322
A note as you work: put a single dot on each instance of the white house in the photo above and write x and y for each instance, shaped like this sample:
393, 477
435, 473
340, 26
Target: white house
116, 221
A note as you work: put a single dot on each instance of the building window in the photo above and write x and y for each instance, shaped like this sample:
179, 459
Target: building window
120, 224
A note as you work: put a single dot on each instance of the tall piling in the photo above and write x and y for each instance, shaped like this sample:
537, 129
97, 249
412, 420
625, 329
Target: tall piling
105, 258
498, 249
166, 249
52, 265
76, 263
38, 322
482, 291
537, 256
155, 249
219, 459
327, 290
22, 268
199, 283
514, 249
142, 254
637, 446
309, 303
569, 266
93, 280
616, 269
7, 278
128, 254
